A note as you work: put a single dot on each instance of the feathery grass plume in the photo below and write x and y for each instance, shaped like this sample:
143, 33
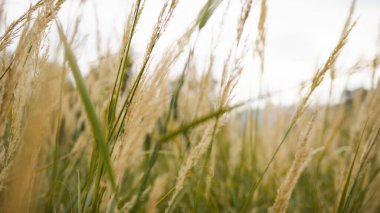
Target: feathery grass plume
36, 132
260, 51
228, 83
301, 159
206, 82
10, 84
348, 21
29, 43
346, 26
15, 26
159, 28
316, 81
128, 36
144, 113
194, 156
199, 150
18, 82
245, 10
123, 116
261, 37
233, 64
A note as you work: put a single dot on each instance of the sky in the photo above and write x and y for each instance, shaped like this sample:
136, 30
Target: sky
300, 36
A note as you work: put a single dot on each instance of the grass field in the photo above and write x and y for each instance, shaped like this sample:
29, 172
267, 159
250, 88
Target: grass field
131, 137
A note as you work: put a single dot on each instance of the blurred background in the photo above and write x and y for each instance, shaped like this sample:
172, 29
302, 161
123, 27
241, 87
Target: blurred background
300, 35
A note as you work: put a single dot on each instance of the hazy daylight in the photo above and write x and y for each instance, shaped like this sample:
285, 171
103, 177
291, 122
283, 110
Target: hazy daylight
190, 106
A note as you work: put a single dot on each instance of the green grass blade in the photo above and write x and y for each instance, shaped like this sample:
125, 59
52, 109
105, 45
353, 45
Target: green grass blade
172, 135
207, 11
342, 201
254, 186
197, 122
122, 67
89, 107
356, 180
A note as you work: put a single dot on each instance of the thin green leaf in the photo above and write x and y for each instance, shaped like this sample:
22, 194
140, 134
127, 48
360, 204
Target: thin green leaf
197, 122
122, 67
89, 107
348, 178
207, 11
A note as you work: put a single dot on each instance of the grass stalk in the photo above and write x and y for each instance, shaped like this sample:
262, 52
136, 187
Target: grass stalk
101, 144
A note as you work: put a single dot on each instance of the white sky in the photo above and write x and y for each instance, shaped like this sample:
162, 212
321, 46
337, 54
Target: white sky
300, 35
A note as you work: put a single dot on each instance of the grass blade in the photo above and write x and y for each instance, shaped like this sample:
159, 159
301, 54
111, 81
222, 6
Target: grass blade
348, 178
197, 122
122, 67
89, 107
207, 11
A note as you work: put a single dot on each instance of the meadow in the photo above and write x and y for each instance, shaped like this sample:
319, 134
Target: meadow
132, 137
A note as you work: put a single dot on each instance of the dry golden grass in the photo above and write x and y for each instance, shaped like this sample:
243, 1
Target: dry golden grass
131, 138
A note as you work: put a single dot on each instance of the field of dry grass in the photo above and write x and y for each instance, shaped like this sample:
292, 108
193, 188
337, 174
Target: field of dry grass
132, 138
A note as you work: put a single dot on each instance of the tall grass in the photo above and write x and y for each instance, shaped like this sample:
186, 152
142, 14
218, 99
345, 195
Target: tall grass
131, 137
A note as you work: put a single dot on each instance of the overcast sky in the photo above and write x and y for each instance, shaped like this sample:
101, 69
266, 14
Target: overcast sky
300, 35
